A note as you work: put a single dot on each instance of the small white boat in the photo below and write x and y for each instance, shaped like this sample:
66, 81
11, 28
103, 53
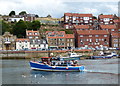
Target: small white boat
74, 55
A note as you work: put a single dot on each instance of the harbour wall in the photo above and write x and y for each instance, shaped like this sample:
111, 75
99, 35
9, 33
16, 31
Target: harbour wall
38, 54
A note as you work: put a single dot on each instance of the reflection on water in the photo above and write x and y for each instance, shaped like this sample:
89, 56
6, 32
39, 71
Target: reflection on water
97, 72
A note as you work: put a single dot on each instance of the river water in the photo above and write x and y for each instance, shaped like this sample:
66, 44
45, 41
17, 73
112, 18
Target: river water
102, 71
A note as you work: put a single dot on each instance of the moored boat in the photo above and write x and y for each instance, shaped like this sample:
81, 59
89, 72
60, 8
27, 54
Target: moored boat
102, 56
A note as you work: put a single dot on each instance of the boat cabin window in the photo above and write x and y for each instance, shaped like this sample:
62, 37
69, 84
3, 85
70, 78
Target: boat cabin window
46, 60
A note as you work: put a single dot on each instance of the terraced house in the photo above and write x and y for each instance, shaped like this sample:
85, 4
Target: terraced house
35, 40
71, 19
59, 39
92, 38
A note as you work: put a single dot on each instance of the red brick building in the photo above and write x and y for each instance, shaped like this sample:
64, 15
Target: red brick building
59, 39
106, 19
92, 38
110, 28
115, 40
71, 19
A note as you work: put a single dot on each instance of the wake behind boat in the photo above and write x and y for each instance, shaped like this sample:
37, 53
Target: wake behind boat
56, 64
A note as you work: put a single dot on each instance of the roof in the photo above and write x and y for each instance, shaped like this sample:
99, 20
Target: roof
57, 33
92, 32
105, 16
116, 20
108, 26
31, 31
22, 39
69, 36
78, 15
81, 26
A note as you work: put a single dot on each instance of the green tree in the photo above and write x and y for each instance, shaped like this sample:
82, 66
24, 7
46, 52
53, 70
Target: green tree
94, 17
29, 25
36, 25
23, 13
12, 13
5, 27
36, 16
19, 29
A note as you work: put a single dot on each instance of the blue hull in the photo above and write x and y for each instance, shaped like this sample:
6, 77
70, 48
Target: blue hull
43, 67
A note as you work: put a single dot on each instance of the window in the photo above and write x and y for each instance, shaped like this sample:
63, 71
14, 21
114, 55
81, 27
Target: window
81, 20
36, 33
86, 21
96, 35
112, 30
67, 27
105, 35
67, 17
90, 35
71, 40
81, 43
115, 40
61, 39
90, 17
36, 37
52, 35
30, 33
30, 37
97, 40
81, 40
90, 40
86, 18
67, 44
87, 39
90, 20
118, 29
81, 35
60, 35
25, 41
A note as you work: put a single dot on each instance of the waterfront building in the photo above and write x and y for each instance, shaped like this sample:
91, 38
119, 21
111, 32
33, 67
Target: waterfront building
22, 43
92, 38
71, 19
59, 39
38, 44
115, 40
35, 40
7, 41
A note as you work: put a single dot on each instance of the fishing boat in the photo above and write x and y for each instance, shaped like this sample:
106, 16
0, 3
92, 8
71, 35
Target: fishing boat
56, 64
